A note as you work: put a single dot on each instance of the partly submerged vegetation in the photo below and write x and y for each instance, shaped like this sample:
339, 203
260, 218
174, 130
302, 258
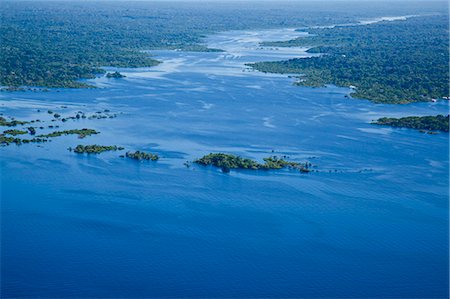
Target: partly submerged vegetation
81, 133
116, 75
9, 136
138, 155
14, 132
11, 123
95, 149
199, 48
424, 123
7, 140
388, 62
227, 162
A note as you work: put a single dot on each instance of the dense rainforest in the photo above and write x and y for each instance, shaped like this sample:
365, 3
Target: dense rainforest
44, 43
427, 123
387, 62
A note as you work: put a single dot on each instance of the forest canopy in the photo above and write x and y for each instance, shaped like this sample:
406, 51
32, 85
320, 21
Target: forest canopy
52, 44
387, 62
430, 123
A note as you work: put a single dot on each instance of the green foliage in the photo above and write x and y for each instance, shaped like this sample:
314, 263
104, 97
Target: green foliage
94, 149
34, 140
138, 155
14, 132
389, 62
430, 123
46, 43
116, 75
12, 123
199, 48
227, 162
6, 140
277, 163
81, 133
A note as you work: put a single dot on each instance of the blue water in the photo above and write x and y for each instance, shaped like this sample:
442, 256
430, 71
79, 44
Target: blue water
373, 222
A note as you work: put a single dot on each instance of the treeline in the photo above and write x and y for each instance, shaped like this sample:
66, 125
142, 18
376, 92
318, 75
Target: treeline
429, 123
46, 43
387, 62
61, 60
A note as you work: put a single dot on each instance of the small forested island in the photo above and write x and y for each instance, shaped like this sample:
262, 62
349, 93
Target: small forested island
388, 62
424, 123
95, 149
116, 75
227, 162
199, 48
81, 133
138, 155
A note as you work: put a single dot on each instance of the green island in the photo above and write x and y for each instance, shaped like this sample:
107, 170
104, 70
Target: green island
138, 155
6, 140
11, 123
199, 48
95, 149
14, 132
422, 123
227, 162
394, 62
81, 133
115, 75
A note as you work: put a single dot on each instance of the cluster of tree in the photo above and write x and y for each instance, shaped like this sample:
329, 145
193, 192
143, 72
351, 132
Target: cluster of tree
81, 133
95, 149
11, 123
115, 75
387, 62
227, 162
199, 48
138, 155
7, 140
14, 132
44, 43
430, 123
82, 115
275, 162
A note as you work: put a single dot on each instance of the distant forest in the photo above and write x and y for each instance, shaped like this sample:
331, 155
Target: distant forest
389, 62
54, 44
